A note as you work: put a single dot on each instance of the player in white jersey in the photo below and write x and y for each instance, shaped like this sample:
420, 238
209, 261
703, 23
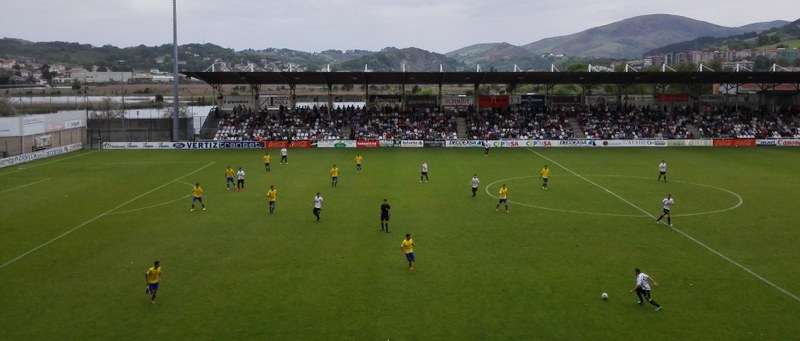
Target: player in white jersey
284, 155
424, 172
475, 182
317, 205
240, 180
667, 202
662, 170
642, 288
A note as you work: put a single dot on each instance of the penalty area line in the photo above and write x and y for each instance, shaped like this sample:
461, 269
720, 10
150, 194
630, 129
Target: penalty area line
15, 259
25, 185
684, 234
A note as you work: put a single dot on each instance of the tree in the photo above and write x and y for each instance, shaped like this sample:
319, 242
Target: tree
183, 111
763, 40
5, 77
46, 74
761, 63
6, 109
76, 84
577, 68
107, 109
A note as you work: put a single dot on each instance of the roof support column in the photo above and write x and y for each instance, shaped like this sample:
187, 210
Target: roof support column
366, 96
475, 95
548, 95
403, 97
293, 97
622, 89
439, 98
330, 98
255, 91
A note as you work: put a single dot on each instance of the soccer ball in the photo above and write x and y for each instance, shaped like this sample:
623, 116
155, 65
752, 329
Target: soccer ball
604, 296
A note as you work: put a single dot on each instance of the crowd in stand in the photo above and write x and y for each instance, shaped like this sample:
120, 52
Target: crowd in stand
747, 123
391, 124
302, 124
612, 123
522, 124
595, 122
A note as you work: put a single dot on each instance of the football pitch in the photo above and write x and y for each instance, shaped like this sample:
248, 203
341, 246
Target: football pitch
79, 231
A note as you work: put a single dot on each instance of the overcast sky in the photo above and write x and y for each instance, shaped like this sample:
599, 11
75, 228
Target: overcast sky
316, 25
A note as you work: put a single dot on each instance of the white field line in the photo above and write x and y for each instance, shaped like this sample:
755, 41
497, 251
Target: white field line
25, 185
35, 164
98, 217
152, 206
740, 201
751, 272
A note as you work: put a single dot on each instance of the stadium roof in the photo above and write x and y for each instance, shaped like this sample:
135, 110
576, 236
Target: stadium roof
452, 78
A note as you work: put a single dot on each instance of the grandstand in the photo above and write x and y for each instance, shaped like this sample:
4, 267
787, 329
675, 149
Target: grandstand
482, 117
672, 122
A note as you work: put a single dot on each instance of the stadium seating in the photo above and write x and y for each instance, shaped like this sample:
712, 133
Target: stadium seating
606, 122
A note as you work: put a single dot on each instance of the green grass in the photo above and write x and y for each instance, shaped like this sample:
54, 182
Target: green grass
77, 238
789, 43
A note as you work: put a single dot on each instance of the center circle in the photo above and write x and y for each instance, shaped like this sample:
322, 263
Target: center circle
739, 199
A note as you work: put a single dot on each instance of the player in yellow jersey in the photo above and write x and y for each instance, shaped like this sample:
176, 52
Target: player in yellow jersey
334, 176
407, 247
266, 160
229, 178
544, 175
359, 160
272, 196
503, 198
197, 195
153, 278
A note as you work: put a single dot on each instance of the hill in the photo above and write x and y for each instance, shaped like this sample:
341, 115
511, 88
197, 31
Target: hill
392, 59
784, 35
630, 38
500, 56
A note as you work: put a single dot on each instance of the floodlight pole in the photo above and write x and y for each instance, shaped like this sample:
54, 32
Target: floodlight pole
175, 103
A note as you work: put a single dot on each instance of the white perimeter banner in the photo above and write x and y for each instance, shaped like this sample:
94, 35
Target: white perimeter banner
538, 143
138, 145
463, 143
789, 143
336, 144
690, 143
572, 143
184, 145
631, 143
412, 144
42, 154
766, 143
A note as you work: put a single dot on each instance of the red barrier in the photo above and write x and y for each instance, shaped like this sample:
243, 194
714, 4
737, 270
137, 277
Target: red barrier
284, 144
367, 143
672, 98
500, 101
734, 143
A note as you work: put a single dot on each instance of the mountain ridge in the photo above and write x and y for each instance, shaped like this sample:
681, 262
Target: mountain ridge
628, 38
